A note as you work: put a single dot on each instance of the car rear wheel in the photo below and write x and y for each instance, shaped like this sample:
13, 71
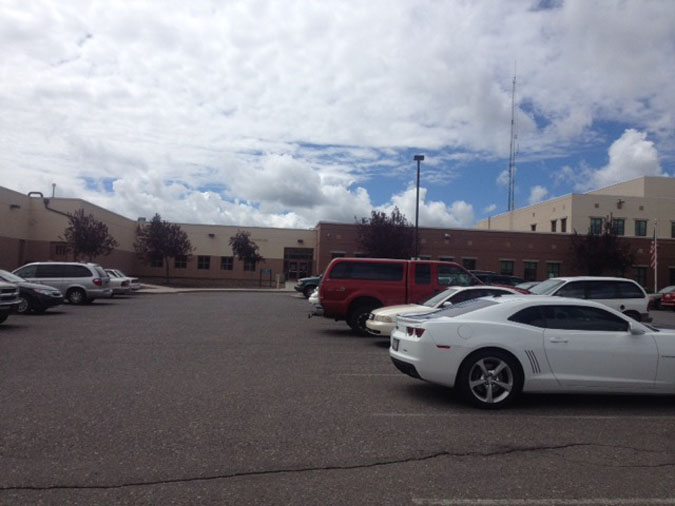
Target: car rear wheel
490, 379
76, 296
358, 317
3, 317
25, 305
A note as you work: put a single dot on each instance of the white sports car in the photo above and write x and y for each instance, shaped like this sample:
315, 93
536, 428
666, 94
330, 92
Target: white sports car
490, 349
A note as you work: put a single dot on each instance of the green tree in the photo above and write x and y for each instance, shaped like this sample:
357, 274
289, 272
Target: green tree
603, 253
382, 236
87, 237
161, 240
244, 248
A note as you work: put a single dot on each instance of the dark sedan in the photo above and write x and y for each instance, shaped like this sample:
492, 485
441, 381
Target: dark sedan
33, 296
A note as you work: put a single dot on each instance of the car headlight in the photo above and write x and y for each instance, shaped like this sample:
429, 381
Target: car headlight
382, 318
44, 292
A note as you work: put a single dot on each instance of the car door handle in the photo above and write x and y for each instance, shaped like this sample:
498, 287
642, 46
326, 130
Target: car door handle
558, 340
340, 289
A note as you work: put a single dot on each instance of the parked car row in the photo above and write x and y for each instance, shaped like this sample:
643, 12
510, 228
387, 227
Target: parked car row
38, 286
490, 343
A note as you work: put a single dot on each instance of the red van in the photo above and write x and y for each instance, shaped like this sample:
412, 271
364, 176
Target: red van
352, 287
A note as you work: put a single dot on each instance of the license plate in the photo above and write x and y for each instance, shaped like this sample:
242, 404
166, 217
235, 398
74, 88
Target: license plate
394, 344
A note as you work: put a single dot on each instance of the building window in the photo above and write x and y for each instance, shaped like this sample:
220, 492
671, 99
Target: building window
672, 229
530, 271
554, 225
360, 254
446, 259
533, 227
157, 262
671, 274
226, 263
506, 267
641, 276
596, 226
203, 262
180, 262
552, 269
469, 263
618, 226
337, 254
641, 228
249, 265
563, 225
425, 257
61, 249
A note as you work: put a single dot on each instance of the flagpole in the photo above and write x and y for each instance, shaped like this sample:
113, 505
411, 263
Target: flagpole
655, 255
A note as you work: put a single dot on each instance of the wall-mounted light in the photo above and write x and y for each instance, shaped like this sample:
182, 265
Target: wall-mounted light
447, 236
301, 241
212, 235
14, 206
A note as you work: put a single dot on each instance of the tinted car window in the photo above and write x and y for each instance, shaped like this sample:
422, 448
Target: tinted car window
49, 271
27, 272
76, 271
629, 290
583, 318
367, 270
530, 316
99, 270
601, 289
422, 274
454, 275
573, 289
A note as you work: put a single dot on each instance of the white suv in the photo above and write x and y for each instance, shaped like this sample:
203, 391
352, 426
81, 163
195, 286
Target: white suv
621, 294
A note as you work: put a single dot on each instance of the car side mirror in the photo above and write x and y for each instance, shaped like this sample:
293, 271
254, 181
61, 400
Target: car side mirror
635, 330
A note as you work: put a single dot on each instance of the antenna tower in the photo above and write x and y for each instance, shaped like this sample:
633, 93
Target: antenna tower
513, 147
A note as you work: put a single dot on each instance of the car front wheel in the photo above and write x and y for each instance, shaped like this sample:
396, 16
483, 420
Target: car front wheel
490, 379
25, 306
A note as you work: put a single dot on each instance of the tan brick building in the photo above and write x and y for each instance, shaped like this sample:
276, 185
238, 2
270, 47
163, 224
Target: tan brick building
31, 227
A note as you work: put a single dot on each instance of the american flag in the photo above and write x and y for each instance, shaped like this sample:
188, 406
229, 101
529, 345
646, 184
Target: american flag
652, 251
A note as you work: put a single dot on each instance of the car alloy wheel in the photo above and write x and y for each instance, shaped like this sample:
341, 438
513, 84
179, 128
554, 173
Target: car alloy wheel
76, 296
490, 379
24, 305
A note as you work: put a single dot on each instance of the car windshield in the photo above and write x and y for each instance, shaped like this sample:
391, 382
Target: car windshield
10, 278
436, 299
546, 287
454, 310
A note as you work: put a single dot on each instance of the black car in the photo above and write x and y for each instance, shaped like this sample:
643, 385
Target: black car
307, 285
33, 296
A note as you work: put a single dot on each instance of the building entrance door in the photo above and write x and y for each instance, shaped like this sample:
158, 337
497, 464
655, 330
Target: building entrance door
298, 262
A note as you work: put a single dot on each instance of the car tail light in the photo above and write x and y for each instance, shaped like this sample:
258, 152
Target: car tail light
416, 331
98, 282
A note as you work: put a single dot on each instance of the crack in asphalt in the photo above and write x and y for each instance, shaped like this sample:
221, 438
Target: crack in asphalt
431, 456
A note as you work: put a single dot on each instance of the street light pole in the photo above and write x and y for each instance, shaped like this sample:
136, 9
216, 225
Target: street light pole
418, 159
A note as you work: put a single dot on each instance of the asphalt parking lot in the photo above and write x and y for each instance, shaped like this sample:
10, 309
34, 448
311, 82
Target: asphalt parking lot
237, 398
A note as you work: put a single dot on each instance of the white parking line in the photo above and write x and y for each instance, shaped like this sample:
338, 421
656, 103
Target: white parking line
519, 416
603, 501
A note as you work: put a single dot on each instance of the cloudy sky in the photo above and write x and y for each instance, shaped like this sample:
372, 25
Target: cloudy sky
285, 113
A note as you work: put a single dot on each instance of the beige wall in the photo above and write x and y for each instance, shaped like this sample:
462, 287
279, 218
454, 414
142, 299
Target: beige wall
31, 227
651, 199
